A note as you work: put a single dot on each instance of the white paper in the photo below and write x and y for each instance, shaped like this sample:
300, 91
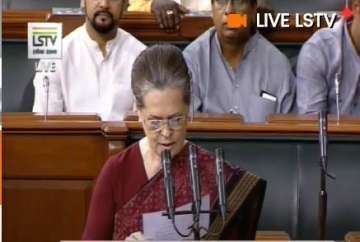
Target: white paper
158, 227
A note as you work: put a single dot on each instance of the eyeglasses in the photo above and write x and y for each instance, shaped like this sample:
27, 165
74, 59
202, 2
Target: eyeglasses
236, 4
173, 123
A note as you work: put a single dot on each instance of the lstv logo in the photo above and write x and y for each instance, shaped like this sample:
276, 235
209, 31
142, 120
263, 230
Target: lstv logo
236, 21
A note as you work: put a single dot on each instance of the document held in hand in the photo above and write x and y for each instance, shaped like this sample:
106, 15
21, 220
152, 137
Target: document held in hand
158, 227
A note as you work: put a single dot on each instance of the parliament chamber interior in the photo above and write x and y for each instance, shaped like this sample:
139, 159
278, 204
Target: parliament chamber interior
50, 166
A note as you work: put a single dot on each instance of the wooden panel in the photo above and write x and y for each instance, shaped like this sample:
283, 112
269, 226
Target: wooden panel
279, 125
311, 119
272, 236
14, 22
46, 211
352, 237
53, 155
63, 147
8, 117
116, 136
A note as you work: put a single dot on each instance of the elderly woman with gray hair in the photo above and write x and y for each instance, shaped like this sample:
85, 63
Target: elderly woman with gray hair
131, 183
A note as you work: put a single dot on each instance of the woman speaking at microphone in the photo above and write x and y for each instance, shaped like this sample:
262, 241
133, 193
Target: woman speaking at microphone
131, 183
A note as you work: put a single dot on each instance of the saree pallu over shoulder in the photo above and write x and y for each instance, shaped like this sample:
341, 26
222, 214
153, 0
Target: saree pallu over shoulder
244, 201
151, 197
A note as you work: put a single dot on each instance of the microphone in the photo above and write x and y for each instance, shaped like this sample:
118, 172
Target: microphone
46, 85
323, 126
195, 183
337, 93
323, 140
220, 181
168, 182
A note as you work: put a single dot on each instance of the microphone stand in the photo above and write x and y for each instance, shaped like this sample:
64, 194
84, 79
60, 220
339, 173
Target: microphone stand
220, 182
46, 85
196, 223
322, 205
196, 189
337, 93
323, 164
323, 123
195, 208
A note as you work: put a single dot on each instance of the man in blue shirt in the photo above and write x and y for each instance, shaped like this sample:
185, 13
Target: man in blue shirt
236, 70
328, 70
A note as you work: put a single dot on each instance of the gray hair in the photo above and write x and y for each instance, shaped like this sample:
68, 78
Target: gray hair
160, 67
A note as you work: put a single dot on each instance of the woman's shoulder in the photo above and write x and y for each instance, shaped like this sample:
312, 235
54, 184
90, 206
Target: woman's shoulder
124, 158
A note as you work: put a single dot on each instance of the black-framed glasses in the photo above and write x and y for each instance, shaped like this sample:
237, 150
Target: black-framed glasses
174, 123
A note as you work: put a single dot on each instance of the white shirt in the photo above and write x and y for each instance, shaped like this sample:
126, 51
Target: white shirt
198, 5
86, 81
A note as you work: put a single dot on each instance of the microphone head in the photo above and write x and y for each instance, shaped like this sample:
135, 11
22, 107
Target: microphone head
323, 127
219, 153
166, 160
323, 115
46, 81
168, 183
194, 178
165, 155
220, 182
192, 152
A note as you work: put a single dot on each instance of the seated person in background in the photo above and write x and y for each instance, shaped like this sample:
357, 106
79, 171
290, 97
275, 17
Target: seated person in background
146, 5
169, 12
93, 75
329, 62
131, 183
236, 70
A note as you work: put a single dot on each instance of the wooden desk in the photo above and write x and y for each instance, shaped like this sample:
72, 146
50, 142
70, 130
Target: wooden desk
352, 237
272, 236
26, 116
49, 168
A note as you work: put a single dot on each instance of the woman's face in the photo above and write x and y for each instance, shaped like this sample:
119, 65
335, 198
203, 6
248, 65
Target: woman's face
164, 118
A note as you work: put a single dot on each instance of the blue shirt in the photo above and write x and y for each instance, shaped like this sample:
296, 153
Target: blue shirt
327, 54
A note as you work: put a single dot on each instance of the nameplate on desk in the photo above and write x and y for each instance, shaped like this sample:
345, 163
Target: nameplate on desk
67, 11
